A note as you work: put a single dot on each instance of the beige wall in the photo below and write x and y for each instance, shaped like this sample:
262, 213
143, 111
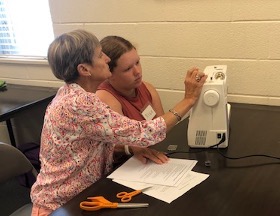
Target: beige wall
173, 35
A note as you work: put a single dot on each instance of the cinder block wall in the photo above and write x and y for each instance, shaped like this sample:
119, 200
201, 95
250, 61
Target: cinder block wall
174, 35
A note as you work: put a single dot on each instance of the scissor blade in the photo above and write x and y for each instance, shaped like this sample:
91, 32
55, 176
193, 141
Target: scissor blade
147, 188
132, 205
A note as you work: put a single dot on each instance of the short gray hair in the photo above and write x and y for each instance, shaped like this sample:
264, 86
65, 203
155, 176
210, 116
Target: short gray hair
69, 50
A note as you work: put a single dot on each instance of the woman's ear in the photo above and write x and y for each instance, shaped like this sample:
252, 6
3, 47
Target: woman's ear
83, 70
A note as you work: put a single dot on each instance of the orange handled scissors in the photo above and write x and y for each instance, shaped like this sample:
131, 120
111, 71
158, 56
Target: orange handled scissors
126, 197
99, 202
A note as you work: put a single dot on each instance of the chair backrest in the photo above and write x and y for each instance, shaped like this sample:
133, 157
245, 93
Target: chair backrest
13, 163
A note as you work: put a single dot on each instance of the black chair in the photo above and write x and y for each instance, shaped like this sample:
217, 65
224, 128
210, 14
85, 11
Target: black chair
12, 164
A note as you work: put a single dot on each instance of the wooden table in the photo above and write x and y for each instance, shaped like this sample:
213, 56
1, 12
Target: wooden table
238, 187
18, 98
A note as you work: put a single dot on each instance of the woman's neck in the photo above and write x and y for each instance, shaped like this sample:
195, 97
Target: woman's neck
130, 93
87, 85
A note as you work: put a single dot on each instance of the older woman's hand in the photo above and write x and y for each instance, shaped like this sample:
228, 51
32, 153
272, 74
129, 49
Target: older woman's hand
145, 154
193, 83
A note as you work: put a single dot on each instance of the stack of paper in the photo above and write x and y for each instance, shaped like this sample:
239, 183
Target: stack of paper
169, 181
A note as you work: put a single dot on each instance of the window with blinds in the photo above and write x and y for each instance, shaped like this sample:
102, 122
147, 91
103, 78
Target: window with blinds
7, 37
25, 28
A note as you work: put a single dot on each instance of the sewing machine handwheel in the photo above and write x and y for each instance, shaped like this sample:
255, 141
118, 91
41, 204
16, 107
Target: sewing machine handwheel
211, 98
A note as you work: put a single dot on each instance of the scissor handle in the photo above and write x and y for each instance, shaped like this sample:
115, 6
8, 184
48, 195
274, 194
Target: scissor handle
97, 203
126, 197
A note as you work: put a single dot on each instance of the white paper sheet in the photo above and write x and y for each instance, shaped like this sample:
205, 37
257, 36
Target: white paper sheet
168, 174
167, 193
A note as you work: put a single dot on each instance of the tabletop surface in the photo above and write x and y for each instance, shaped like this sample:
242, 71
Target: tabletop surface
19, 97
249, 186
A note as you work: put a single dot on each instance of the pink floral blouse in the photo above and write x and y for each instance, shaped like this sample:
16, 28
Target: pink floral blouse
77, 144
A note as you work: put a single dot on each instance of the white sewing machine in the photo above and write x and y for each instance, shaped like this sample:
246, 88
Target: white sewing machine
209, 118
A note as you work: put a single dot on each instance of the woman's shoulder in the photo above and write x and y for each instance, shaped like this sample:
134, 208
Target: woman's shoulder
149, 86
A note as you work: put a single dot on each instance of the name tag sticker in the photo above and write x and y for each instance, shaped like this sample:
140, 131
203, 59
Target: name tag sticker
148, 113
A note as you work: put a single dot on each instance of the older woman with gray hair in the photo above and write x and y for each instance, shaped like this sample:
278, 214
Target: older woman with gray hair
80, 131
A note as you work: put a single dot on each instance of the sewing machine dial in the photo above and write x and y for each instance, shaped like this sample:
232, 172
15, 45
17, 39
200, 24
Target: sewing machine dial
220, 76
211, 98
